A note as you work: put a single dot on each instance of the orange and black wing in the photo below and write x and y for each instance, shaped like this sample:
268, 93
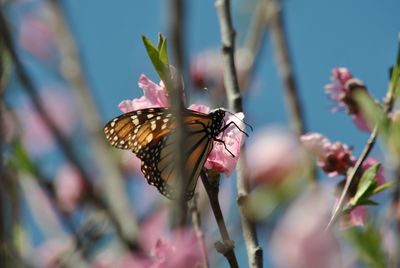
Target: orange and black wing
150, 134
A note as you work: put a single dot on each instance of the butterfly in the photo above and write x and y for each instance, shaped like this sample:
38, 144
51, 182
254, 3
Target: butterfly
149, 133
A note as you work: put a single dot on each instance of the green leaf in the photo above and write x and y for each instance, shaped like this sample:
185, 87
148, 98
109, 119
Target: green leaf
394, 81
159, 58
163, 51
367, 202
366, 185
383, 187
368, 243
370, 109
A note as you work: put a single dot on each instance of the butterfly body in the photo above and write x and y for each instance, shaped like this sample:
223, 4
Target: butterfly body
151, 135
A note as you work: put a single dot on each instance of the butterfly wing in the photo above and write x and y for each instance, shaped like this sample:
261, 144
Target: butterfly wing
150, 134
159, 159
135, 130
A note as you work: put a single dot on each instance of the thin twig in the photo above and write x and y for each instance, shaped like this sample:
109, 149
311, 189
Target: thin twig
254, 251
65, 145
109, 175
284, 62
276, 25
252, 44
226, 247
176, 93
176, 33
355, 171
196, 221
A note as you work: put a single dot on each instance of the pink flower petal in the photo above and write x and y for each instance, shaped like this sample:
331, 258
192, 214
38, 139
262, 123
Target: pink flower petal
154, 96
333, 158
300, 239
219, 158
273, 156
200, 108
69, 187
181, 251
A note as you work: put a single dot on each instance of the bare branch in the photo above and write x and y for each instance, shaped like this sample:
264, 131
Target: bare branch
226, 246
196, 221
176, 93
254, 251
109, 175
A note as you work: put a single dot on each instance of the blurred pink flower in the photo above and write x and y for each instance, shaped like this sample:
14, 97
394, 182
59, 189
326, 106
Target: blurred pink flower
164, 248
180, 251
36, 37
154, 96
334, 158
59, 105
152, 229
273, 155
219, 158
341, 91
69, 187
300, 239
357, 217
206, 69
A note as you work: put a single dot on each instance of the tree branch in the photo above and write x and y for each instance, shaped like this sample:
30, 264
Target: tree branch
254, 251
179, 205
196, 221
226, 247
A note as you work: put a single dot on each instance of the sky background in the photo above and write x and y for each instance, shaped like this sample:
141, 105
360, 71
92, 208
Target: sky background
359, 35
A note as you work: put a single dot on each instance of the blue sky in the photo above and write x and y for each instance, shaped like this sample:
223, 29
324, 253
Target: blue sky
360, 35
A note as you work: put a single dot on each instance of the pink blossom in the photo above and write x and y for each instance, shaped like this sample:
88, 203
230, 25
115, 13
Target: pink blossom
337, 89
200, 108
36, 135
154, 96
356, 217
180, 251
220, 159
273, 156
164, 248
334, 158
69, 187
36, 37
341, 90
152, 229
206, 69
300, 239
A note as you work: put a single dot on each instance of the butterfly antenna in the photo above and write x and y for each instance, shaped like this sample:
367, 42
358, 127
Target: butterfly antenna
251, 128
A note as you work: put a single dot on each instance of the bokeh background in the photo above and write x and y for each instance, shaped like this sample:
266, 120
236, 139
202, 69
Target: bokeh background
360, 35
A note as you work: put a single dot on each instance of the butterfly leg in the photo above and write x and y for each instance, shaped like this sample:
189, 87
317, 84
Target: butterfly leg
226, 148
233, 123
